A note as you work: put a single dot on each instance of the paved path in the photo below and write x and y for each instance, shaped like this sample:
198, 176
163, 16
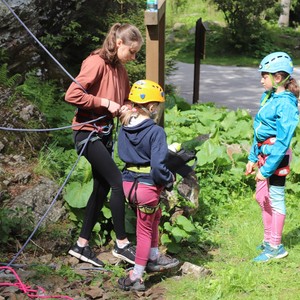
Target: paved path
230, 86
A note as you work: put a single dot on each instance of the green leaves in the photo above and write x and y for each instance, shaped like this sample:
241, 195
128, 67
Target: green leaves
182, 230
211, 152
6, 80
78, 193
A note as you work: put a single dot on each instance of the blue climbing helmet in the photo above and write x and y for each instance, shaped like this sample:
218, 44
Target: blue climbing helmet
276, 62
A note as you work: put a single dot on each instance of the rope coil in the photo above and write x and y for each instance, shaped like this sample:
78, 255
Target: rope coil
38, 293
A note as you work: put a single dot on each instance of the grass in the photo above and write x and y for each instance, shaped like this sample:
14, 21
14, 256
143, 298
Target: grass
283, 41
181, 36
234, 275
191, 12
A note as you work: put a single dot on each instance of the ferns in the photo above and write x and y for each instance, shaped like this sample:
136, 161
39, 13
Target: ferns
7, 81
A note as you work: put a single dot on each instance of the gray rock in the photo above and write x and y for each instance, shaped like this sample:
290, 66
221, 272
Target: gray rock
38, 200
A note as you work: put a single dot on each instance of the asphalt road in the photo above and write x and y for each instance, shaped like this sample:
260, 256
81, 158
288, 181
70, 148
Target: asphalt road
230, 86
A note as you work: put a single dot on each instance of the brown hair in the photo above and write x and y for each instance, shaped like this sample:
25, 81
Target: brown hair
127, 33
291, 84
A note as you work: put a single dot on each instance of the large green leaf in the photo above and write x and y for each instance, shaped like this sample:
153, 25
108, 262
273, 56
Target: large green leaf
185, 223
295, 164
179, 234
165, 239
77, 194
211, 152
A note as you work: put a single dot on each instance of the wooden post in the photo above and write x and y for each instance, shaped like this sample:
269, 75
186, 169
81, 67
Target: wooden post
155, 48
199, 54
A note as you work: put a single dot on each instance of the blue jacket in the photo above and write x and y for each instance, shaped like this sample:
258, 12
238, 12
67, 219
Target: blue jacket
145, 144
277, 117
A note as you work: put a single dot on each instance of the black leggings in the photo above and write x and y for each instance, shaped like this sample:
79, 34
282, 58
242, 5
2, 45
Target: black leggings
280, 180
106, 175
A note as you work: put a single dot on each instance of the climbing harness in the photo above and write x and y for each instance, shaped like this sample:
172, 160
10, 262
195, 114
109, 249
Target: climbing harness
137, 171
282, 171
132, 199
176, 162
99, 134
269, 141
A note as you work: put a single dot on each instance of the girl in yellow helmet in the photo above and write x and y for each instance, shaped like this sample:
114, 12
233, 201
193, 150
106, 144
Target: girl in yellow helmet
143, 147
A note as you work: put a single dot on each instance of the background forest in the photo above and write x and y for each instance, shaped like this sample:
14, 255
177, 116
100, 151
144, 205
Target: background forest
223, 233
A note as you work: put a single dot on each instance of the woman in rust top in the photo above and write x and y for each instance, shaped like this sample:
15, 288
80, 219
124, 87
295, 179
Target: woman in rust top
98, 92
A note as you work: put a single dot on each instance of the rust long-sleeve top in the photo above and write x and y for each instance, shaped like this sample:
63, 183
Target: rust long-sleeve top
98, 80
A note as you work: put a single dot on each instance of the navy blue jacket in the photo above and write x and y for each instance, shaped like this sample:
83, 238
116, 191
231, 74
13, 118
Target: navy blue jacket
145, 144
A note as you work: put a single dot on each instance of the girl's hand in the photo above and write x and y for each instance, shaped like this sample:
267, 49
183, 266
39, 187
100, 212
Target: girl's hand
259, 177
250, 168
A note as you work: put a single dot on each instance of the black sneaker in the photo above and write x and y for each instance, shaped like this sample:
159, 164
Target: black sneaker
127, 253
163, 262
126, 284
86, 254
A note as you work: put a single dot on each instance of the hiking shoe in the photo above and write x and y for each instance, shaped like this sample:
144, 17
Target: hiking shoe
86, 254
127, 253
271, 253
163, 262
126, 284
262, 246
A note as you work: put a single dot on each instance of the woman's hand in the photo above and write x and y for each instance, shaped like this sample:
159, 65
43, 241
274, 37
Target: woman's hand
113, 107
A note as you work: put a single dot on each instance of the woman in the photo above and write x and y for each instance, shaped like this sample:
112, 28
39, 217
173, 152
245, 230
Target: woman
99, 91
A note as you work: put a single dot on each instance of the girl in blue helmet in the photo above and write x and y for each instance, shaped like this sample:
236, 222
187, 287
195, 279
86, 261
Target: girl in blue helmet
274, 126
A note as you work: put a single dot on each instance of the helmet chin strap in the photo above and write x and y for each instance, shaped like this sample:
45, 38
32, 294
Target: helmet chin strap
276, 85
152, 115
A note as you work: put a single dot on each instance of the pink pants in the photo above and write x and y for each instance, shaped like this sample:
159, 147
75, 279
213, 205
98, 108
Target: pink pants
273, 220
147, 233
273, 213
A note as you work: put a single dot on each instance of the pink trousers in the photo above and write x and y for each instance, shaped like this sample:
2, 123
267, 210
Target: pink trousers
273, 220
271, 200
147, 233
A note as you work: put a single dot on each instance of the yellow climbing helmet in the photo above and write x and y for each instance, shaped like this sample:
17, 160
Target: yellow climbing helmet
145, 91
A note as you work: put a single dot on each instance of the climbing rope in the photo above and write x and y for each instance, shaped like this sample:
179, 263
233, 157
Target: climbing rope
54, 129
53, 201
38, 293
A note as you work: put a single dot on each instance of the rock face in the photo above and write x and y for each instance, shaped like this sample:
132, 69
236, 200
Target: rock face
65, 28
39, 198
40, 17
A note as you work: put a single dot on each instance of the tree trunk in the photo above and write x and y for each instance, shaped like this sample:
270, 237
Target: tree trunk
285, 14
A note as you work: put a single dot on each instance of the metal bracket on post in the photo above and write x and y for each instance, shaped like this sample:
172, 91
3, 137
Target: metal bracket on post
199, 54
155, 48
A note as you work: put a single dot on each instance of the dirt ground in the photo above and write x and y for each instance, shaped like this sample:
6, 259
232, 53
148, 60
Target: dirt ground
65, 276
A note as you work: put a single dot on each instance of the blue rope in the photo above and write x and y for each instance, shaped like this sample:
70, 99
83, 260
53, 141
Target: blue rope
51, 129
53, 201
